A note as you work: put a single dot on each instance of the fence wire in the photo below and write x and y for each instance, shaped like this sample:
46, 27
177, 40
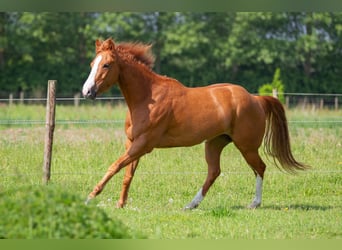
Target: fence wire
78, 97
27, 122
59, 122
59, 99
95, 122
170, 173
19, 122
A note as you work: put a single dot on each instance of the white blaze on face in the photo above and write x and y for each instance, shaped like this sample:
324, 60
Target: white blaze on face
90, 82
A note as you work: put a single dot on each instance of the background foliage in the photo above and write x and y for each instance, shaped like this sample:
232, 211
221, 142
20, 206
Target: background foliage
276, 84
196, 48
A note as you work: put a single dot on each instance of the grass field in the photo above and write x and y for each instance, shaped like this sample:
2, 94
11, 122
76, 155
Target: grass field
303, 206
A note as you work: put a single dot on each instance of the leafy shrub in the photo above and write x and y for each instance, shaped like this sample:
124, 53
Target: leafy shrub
49, 212
276, 83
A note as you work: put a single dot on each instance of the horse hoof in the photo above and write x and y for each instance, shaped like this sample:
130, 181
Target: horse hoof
119, 205
87, 201
190, 207
253, 205
187, 208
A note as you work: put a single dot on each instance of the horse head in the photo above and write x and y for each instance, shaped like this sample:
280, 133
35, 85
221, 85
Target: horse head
104, 70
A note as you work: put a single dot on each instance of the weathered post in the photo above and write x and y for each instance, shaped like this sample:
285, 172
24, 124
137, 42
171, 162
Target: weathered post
275, 93
77, 98
21, 97
287, 102
321, 104
10, 99
336, 102
50, 126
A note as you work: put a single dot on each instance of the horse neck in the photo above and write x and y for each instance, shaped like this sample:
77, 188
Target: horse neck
135, 82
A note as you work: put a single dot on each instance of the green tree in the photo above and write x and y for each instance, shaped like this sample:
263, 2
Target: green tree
251, 49
195, 48
309, 43
39, 47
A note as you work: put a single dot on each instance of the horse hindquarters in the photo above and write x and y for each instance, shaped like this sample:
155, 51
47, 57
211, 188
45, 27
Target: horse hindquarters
252, 157
277, 144
248, 133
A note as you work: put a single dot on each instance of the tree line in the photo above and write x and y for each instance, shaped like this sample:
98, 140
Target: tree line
197, 48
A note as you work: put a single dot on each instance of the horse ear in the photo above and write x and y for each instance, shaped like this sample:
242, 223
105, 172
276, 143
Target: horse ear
98, 44
109, 44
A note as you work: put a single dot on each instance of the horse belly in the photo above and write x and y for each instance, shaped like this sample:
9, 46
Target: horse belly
203, 113
196, 129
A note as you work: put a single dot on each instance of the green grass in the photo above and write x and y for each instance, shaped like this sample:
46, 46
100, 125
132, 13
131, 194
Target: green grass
303, 206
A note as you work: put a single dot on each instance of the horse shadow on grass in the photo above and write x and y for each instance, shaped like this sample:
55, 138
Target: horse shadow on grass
223, 211
302, 207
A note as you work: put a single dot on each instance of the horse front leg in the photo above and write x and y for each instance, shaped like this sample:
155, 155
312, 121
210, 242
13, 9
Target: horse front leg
112, 170
133, 152
130, 170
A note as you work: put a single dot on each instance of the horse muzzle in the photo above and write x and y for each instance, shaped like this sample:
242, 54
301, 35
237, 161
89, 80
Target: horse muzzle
90, 93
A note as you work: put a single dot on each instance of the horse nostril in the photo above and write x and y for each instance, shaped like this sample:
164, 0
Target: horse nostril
91, 94
87, 94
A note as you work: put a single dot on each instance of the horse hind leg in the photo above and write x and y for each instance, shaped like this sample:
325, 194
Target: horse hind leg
258, 193
213, 149
259, 167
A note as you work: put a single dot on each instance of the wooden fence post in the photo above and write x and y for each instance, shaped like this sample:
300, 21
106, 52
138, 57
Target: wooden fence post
50, 126
321, 103
77, 98
287, 102
305, 101
336, 102
21, 97
10, 99
275, 93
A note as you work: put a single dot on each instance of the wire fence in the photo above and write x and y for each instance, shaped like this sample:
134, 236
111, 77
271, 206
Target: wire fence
19, 123
171, 173
77, 100
58, 122
304, 100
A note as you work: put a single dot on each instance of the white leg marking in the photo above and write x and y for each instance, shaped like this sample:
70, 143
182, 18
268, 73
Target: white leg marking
196, 201
258, 193
90, 82
87, 201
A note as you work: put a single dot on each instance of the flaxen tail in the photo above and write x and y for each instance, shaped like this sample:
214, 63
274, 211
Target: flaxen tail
277, 139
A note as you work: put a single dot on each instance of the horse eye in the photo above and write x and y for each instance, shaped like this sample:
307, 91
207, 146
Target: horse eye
106, 65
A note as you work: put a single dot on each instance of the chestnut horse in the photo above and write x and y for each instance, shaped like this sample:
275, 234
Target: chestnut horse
164, 113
